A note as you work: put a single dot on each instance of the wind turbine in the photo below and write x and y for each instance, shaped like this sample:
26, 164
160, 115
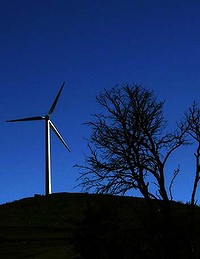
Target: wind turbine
48, 125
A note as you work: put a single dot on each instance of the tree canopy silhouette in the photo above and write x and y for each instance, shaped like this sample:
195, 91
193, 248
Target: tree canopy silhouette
129, 145
191, 122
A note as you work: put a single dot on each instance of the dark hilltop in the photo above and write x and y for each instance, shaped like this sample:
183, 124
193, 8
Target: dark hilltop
80, 225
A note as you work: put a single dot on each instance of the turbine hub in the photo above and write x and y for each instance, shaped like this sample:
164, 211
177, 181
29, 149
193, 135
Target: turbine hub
47, 117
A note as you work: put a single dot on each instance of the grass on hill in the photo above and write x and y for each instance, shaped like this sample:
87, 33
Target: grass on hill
78, 226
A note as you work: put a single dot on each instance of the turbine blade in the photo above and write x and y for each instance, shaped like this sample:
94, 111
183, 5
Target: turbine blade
59, 136
35, 118
56, 100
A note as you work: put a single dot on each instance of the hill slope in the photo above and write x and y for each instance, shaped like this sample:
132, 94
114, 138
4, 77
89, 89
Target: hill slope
88, 226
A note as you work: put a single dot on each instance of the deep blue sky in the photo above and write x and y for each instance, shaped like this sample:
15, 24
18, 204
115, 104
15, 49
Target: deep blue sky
91, 45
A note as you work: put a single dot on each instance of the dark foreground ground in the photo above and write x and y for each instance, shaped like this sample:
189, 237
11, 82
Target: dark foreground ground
78, 226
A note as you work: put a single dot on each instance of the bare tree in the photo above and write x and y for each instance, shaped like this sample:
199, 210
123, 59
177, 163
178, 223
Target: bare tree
128, 146
192, 122
176, 172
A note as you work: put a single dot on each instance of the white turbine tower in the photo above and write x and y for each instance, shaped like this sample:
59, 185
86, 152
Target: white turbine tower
48, 125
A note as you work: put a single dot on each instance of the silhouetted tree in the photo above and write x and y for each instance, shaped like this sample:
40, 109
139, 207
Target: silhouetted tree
192, 123
128, 146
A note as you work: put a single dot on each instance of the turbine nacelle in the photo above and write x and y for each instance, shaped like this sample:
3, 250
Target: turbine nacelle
47, 117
